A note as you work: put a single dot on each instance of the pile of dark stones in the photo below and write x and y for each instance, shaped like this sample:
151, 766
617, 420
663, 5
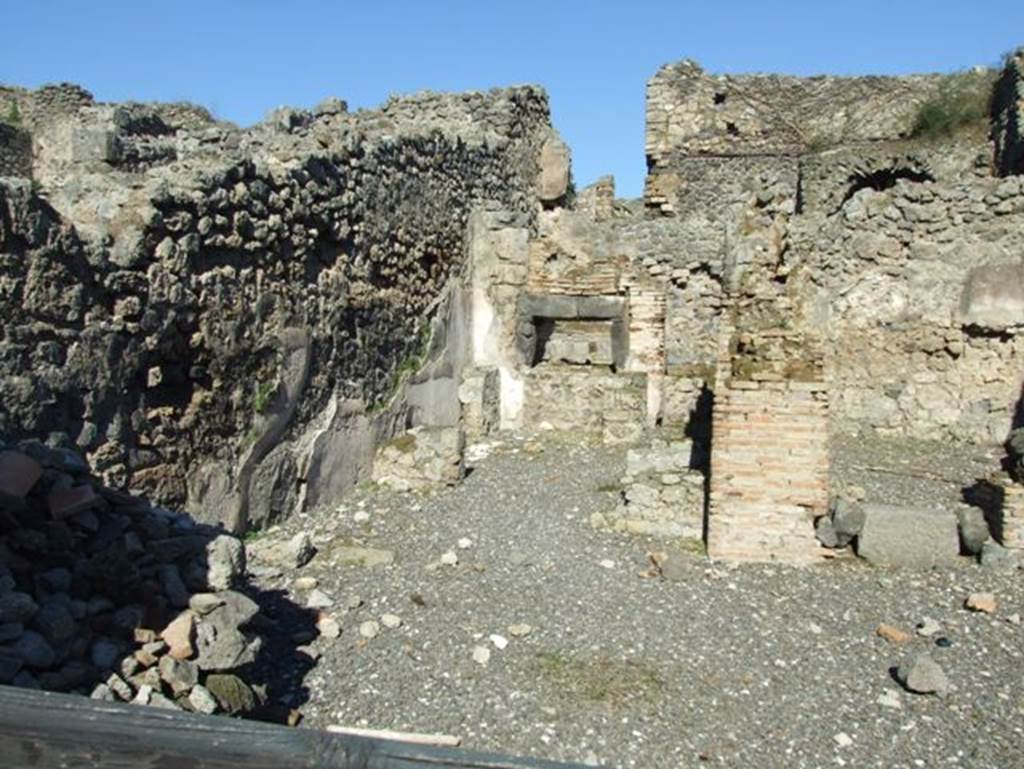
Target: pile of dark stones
104, 594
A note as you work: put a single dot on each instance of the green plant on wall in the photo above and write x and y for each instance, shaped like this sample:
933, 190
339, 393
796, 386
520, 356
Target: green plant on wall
13, 114
962, 101
263, 395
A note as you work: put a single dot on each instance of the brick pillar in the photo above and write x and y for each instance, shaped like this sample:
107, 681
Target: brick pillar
769, 455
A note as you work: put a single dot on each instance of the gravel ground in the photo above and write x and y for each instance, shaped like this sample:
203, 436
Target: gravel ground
749, 666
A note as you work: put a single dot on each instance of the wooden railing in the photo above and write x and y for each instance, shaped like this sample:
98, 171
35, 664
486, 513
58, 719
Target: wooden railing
44, 730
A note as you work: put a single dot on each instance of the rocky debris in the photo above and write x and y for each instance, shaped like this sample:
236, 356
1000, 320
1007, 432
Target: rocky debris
973, 527
890, 698
908, 537
660, 493
928, 627
520, 630
995, 557
449, 558
892, 634
422, 458
328, 627
847, 520
293, 554
318, 599
981, 602
390, 621
922, 675
369, 629
481, 655
104, 594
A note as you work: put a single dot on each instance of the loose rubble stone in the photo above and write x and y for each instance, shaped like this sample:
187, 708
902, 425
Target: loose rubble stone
928, 627
305, 583
201, 699
203, 603
369, 629
908, 537
973, 529
481, 655
519, 630
318, 599
328, 627
225, 562
390, 620
231, 692
449, 559
892, 634
180, 636
981, 602
922, 675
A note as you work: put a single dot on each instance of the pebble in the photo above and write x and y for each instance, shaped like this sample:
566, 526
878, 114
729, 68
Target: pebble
329, 627
305, 583
369, 629
606, 563
361, 517
499, 641
981, 602
922, 675
481, 655
464, 543
890, 698
390, 620
449, 559
519, 630
928, 627
843, 740
318, 599
892, 634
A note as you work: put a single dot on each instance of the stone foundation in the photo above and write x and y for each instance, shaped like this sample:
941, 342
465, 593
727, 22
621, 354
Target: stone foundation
662, 495
423, 458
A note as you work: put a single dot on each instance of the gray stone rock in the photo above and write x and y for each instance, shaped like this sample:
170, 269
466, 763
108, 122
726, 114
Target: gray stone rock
231, 692
17, 607
225, 562
825, 532
219, 639
202, 700
847, 520
293, 554
172, 585
105, 652
33, 650
908, 537
55, 623
10, 665
973, 529
554, 169
922, 675
10, 630
995, 557
993, 297
179, 675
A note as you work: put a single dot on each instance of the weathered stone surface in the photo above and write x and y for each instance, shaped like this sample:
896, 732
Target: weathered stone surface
908, 537
225, 562
993, 297
180, 636
973, 528
554, 169
232, 693
18, 473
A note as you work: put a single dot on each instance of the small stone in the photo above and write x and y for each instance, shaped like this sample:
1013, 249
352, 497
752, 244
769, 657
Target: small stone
142, 695
231, 692
353, 602
318, 599
180, 636
390, 620
928, 627
890, 698
995, 557
942, 642
121, 689
922, 675
369, 629
499, 641
201, 699
180, 675
203, 603
481, 655
892, 634
449, 559
361, 516
843, 740
305, 583
981, 602
607, 563
328, 627
464, 543
102, 693
225, 561
519, 630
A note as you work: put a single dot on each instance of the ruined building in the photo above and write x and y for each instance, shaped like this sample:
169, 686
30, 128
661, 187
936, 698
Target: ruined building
249, 322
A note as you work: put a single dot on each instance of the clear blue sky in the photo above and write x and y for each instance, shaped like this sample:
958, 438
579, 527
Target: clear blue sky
241, 58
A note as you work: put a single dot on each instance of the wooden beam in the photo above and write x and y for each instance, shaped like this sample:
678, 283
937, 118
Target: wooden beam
45, 730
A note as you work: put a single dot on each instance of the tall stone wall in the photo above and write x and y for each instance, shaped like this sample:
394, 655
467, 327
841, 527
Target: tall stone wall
233, 321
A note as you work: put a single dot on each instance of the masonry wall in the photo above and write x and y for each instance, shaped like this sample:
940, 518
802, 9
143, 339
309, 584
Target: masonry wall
244, 323
769, 470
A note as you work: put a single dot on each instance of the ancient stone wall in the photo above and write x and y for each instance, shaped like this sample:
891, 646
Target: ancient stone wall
1008, 132
15, 151
235, 322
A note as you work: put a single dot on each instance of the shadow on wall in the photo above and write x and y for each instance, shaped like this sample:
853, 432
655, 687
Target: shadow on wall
104, 594
698, 430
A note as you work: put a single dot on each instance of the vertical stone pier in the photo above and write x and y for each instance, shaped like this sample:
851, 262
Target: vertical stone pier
769, 456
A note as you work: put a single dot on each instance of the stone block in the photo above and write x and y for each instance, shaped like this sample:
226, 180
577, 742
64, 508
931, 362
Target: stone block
993, 297
600, 307
908, 537
554, 169
18, 473
548, 306
67, 502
